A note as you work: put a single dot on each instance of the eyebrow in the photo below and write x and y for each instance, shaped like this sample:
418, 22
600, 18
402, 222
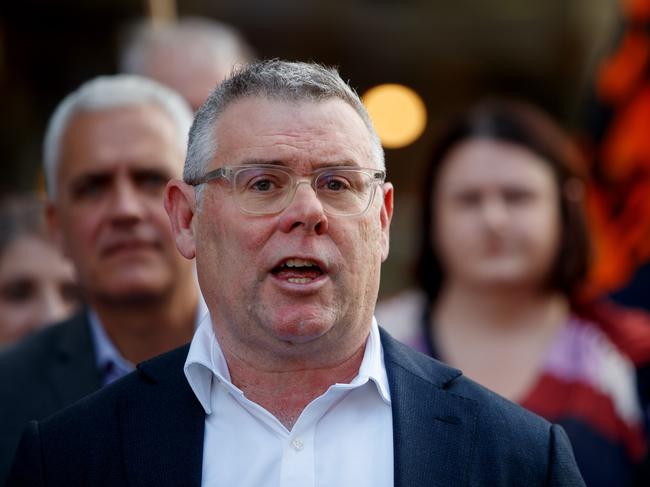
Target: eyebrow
150, 171
91, 176
108, 175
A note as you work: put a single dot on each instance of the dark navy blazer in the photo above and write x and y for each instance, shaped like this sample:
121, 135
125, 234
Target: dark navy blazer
41, 375
147, 430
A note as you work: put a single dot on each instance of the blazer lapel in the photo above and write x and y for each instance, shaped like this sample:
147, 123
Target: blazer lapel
162, 429
433, 430
73, 373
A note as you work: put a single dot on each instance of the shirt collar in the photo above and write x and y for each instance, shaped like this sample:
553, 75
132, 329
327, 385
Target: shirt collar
372, 366
109, 360
206, 364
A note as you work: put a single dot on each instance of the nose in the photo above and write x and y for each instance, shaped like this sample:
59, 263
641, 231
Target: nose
126, 205
304, 211
495, 213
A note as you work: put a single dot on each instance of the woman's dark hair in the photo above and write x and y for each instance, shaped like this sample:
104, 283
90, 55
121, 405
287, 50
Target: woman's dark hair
522, 124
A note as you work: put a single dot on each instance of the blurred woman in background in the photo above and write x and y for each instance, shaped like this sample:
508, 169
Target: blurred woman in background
37, 284
502, 255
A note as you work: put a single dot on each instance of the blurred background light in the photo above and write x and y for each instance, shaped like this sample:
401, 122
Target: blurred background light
398, 113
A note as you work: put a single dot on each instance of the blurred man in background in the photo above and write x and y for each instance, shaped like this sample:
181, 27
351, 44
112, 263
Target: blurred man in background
190, 56
110, 148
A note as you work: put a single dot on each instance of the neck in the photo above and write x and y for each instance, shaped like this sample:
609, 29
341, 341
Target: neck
497, 310
499, 339
143, 330
286, 391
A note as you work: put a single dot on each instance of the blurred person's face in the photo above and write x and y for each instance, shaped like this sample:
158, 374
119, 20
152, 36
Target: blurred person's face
37, 287
109, 212
298, 284
191, 76
497, 213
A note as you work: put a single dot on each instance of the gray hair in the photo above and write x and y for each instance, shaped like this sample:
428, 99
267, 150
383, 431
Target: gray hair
201, 38
107, 92
273, 79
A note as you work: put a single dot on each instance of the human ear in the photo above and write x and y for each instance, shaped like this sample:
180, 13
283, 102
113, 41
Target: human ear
386, 215
180, 204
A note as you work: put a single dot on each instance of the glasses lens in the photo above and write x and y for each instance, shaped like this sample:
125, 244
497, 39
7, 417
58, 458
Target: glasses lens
345, 191
262, 190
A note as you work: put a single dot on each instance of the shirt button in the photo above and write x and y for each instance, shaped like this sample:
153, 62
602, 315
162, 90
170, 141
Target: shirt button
297, 444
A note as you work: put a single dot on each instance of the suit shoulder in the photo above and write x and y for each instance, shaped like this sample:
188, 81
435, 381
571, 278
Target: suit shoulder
502, 413
138, 416
147, 401
32, 354
164, 371
167, 363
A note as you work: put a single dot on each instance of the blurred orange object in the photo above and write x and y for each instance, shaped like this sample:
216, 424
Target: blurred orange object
637, 9
618, 197
620, 73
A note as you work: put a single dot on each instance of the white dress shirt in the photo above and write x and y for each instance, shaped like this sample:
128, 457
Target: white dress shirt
342, 438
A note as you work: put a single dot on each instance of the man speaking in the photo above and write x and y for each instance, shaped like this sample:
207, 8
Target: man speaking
289, 381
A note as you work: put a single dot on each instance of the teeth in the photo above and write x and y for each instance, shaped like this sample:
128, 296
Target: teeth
299, 263
299, 280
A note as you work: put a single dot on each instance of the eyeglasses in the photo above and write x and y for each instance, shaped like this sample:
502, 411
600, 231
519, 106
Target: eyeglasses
265, 190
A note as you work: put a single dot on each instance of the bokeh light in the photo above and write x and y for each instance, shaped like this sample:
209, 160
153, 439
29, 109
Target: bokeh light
398, 113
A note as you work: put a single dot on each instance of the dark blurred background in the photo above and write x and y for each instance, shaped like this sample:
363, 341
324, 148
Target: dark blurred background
451, 53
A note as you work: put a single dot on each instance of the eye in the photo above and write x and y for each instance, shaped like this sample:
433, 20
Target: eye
468, 199
150, 181
518, 196
262, 185
19, 291
336, 183
91, 187
261, 180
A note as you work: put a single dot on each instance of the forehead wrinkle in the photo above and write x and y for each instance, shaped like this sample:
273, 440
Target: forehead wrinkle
342, 163
307, 136
318, 152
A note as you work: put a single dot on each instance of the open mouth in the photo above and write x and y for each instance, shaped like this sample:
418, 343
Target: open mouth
298, 271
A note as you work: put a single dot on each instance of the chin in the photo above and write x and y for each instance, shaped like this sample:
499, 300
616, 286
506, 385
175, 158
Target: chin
301, 329
501, 272
132, 291
135, 278
503, 281
139, 298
